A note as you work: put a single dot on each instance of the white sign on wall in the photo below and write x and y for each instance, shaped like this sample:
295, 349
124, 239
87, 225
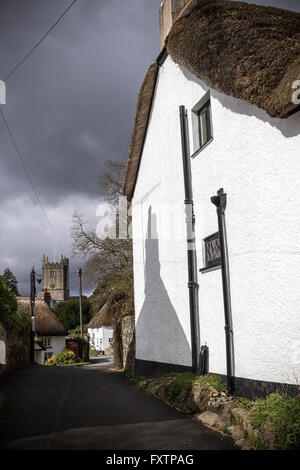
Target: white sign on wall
2, 352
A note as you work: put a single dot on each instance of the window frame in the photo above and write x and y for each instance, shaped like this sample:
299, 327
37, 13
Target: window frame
197, 129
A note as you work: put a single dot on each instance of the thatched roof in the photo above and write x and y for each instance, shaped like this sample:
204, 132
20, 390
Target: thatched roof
247, 51
46, 322
120, 302
102, 318
143, 109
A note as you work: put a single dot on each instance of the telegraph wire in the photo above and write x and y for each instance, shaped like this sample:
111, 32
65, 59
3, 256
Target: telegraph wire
39, 42
29, 179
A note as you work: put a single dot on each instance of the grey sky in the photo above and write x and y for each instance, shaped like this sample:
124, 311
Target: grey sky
70, 107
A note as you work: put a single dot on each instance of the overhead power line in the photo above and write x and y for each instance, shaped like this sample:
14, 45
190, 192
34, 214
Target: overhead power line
29, 179
39, 42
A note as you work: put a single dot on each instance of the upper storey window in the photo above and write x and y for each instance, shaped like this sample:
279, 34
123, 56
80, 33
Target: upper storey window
202, 123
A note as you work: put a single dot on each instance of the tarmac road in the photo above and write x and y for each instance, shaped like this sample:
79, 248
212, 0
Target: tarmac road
92, 407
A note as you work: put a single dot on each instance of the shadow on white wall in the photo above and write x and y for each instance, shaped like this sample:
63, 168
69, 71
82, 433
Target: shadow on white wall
160, 336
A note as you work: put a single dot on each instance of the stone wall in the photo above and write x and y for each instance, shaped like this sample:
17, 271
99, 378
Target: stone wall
128, 342
15, 351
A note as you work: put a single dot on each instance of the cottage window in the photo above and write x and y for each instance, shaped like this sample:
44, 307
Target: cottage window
46, 342
202, 124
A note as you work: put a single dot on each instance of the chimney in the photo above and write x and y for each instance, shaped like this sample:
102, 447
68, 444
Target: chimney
44, 295
168, 12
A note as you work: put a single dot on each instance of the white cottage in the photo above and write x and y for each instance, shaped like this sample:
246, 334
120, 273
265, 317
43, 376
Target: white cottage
219, 109
100, 329
50, 338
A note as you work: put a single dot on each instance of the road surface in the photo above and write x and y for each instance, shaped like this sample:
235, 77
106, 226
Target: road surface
92, 407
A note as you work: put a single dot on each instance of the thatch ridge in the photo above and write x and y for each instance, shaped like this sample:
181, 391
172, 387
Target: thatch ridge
247, 51
143, 109
46, 322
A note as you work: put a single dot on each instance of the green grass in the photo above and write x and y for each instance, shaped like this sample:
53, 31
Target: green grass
243, 402
282, 414
225, 430
189, 380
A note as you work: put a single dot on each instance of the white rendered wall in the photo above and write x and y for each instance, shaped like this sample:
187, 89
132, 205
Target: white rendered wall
100, 337
57, 344
256, 159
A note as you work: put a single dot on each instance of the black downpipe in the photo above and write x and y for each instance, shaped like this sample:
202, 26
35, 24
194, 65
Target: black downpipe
191, 242
220, 202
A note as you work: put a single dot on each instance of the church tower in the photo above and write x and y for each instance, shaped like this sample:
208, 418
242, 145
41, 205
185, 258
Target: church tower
56, 278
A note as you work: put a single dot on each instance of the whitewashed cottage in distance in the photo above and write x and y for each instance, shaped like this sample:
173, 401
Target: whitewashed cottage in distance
219, 109
100, 330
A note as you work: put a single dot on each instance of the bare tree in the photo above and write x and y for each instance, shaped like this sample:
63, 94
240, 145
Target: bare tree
110, 260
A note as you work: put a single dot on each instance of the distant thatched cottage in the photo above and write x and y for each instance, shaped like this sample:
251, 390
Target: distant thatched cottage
100, 329
50, 332
219, 109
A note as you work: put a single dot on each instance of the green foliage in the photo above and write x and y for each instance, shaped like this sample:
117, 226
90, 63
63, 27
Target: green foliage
225, 430
64, 357
243, 402
8, 306
21, 323
94, 352
188, 380
77, 331
10, 281
68, 313
282, 414
207, 381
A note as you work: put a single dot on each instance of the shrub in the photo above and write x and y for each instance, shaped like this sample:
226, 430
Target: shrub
68, 313
94, 352
282, 414
77, 331
188, 380
8, 306
22, 323
64, 357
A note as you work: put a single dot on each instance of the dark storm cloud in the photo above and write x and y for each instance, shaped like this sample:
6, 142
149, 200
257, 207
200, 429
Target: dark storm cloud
70, 107
71, 103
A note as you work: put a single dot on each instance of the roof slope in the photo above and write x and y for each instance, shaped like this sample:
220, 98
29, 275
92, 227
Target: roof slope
46, 322
247, 51
143, 109
102, 318
119, 303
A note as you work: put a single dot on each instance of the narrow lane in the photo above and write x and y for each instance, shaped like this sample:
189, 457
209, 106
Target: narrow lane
93, 408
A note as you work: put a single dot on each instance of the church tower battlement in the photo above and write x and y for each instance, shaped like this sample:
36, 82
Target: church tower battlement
56, 278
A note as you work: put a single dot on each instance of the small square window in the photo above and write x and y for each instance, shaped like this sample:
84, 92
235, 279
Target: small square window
202, 124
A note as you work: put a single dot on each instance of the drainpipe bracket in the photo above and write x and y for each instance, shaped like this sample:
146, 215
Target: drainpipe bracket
192, 284
228, 329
